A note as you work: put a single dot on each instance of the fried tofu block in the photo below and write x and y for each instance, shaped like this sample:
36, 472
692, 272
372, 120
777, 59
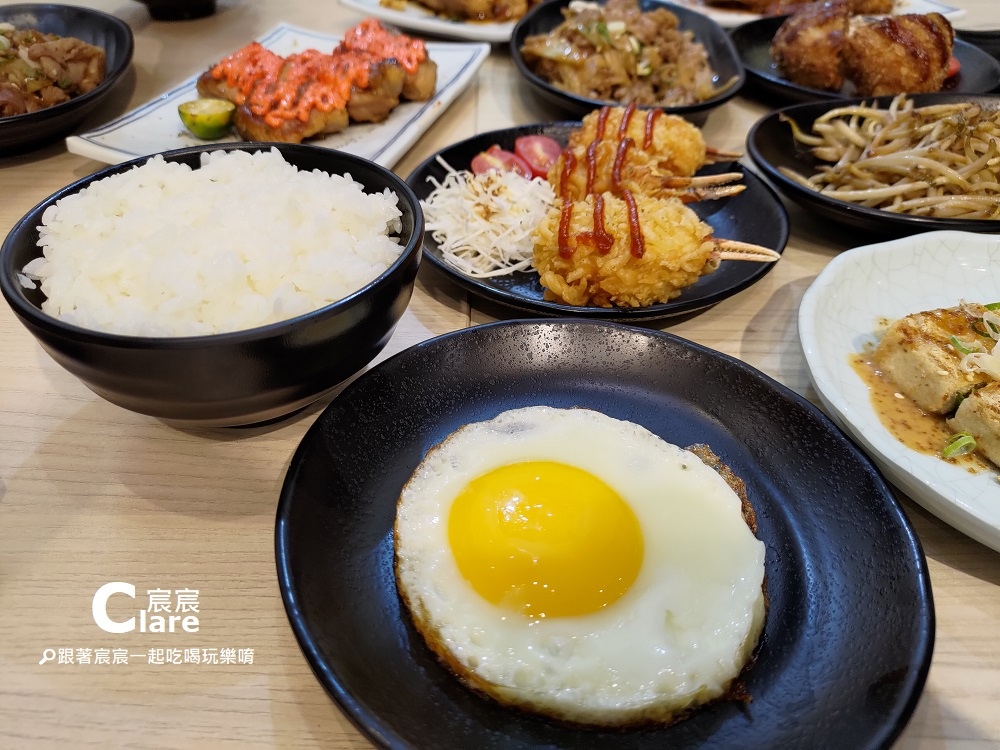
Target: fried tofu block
979, 415
917, 356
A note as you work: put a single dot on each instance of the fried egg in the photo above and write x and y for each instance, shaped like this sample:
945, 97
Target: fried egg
579, 566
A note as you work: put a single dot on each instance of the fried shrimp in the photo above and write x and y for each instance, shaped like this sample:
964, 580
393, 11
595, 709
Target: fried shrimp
629, 251
608, 165
619, 232
676, 145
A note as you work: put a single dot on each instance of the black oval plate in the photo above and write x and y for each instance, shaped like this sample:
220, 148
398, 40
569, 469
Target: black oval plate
772, 147
988, 40
979, 74
850, 629
756, 215
20, 132
722, 56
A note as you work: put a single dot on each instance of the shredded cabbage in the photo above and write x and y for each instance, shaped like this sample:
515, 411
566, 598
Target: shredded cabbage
483, 223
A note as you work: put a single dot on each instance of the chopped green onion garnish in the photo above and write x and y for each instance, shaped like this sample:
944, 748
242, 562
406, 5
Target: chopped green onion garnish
994, 306
964, 348
959, 444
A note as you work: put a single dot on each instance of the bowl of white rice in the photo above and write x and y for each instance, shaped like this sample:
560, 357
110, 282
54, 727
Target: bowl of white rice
217, 285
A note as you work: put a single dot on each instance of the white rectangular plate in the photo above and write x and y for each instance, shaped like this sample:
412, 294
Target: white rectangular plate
155, 126
417, 18
838, 317
730, 18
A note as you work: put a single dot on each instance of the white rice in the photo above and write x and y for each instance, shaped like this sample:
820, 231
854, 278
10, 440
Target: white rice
246, 240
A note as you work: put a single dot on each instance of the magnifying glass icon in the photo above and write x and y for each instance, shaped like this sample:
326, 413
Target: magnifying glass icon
48, 654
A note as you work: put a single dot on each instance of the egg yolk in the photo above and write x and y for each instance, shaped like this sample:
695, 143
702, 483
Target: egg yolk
545, 539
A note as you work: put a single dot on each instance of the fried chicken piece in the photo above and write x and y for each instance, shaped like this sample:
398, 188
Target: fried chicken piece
807, 47
899, 54
420, 72
252, 127
309, 78
374, 102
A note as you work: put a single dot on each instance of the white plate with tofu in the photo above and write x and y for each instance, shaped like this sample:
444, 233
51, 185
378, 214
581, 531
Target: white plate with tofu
156, 126
842, 314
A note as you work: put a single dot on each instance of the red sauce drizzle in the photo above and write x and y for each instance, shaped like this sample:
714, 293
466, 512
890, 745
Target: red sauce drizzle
647, 138
569, 164
591, 166
626, 120
620, 156
599, 238
602, 122
565, 251
638, 245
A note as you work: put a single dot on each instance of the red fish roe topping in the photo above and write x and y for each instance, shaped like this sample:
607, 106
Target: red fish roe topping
372, 37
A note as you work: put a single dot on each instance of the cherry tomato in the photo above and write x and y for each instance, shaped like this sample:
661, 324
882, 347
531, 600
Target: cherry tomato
504, 161
953, 66
539, 151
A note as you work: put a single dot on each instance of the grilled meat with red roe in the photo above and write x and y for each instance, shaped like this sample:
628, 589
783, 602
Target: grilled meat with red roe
313, 93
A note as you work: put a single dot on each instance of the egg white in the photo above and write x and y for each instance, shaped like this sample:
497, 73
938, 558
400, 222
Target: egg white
677, 638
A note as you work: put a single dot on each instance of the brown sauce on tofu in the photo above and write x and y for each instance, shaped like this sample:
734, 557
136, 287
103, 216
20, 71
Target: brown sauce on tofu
908, 423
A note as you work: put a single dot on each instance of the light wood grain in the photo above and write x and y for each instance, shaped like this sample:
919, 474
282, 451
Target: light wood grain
90, 493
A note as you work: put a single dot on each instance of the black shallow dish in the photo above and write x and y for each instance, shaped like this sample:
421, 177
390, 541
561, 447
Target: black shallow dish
987, 41
850, 630
771, 146
179, 10
979, 74
722, 57
234, 378
20, 132
756, 215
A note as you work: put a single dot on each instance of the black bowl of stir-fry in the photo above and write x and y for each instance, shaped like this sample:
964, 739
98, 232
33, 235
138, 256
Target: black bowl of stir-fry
890, 165
585, 55
58, 63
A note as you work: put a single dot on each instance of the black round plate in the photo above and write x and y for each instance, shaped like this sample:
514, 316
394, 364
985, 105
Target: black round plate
988, 40
979, 74
20, 132
756, 215
772, 147
850, 629
722, 56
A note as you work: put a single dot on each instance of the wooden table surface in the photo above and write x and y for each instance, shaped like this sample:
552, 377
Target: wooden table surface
91, 493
